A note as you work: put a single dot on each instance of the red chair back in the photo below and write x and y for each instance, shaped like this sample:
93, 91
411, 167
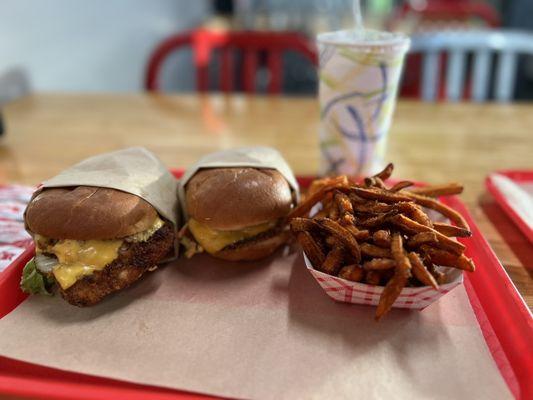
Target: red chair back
449, 10
250, 44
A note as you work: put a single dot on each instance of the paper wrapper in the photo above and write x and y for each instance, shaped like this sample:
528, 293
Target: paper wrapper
133, 170
257, 157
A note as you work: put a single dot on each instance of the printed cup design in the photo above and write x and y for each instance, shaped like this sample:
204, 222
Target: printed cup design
357, 88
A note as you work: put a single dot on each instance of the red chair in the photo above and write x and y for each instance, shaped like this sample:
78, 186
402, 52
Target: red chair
449, 10
252, 45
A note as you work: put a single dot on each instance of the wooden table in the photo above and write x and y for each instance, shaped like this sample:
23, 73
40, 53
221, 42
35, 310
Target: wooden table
428, 142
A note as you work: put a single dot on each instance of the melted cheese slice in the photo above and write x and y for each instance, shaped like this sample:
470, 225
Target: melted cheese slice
213, 240
80, 258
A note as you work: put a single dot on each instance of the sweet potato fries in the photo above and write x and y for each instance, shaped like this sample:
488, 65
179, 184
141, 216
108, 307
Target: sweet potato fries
381, 235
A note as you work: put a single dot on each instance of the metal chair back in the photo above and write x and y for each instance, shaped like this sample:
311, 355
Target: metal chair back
505, 46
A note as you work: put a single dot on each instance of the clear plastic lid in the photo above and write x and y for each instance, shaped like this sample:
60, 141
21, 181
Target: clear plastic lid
369, 39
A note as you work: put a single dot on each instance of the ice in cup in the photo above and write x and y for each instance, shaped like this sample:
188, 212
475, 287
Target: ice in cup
358, 83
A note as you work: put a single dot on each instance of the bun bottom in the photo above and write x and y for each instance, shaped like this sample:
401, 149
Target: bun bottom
255, 248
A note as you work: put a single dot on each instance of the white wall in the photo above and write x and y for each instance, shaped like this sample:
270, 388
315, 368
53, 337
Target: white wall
92, 45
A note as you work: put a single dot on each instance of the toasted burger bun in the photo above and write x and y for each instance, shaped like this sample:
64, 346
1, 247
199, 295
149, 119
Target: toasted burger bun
236, 198
255, 248
85, 213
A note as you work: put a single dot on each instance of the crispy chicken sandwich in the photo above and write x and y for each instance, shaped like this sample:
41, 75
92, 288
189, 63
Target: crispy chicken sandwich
92, 241
238, 213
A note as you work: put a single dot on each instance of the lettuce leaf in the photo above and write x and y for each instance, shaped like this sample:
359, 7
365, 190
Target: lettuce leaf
33, 282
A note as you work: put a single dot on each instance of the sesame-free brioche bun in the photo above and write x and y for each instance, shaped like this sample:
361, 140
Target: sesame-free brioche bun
235, 198
86, 212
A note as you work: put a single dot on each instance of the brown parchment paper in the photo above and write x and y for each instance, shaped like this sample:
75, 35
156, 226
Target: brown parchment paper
258, 157
133, 170
260, 331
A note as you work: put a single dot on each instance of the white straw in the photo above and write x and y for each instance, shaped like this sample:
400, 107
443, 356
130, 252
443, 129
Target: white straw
358, 18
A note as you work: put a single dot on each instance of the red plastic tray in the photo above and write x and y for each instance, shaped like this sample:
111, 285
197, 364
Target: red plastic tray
504, 318
519, 177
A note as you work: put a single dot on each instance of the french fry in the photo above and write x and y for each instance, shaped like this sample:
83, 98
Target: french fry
372, 207
374, 251
347, 220
379, 194
311, 248
422, 238
439, 276
451, 230
319, 184
378, 220
333, 212
375, 181
359, 235
415, 212
362, 235
412, 226
386, 173
447, 259
344, 236
355, 199
439, 207
343, 203
390, 293
304, 207
439, 190
331, 241
379, 264
398, 255
381, 238
401, 185
352, 273
373, 277
420, 271
304, 225
333, 261
398, 281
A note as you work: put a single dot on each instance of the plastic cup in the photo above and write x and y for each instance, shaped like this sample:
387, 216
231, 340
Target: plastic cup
358, 84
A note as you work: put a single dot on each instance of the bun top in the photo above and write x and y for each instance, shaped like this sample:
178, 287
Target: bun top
86, 212
235, 198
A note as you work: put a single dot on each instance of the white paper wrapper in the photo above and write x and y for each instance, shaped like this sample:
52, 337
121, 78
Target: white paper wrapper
133, 170
257, 157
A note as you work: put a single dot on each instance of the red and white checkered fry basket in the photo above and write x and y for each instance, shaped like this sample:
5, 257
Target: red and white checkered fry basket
417, 298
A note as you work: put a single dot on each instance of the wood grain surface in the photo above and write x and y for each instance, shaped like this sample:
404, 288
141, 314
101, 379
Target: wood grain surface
428, 142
